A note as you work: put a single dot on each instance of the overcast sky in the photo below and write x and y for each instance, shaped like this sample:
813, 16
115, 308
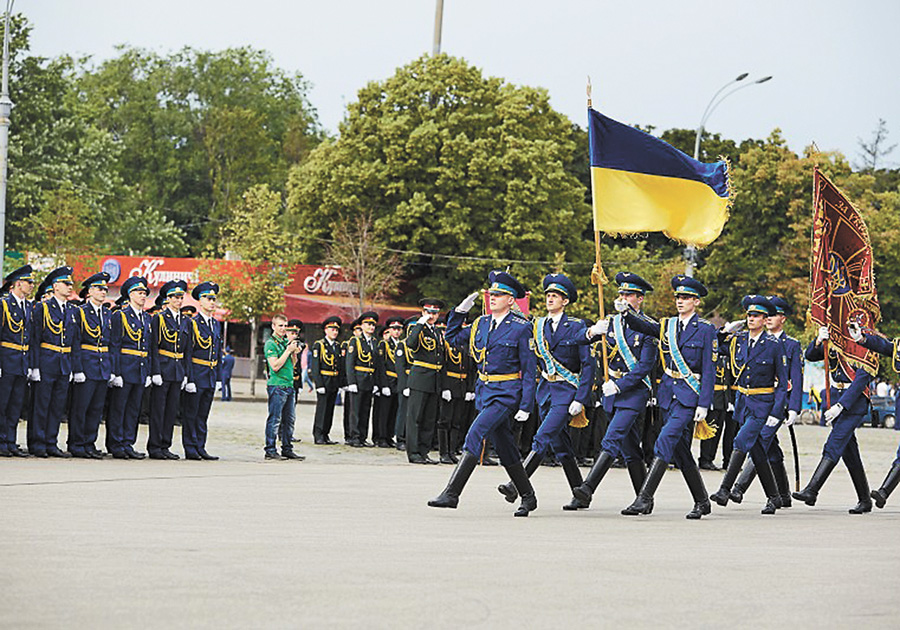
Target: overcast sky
835, 63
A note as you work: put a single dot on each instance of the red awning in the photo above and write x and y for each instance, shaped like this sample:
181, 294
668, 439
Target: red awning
310, 309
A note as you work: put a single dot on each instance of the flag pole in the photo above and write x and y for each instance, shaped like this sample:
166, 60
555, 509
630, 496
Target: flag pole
825, 344
597, 275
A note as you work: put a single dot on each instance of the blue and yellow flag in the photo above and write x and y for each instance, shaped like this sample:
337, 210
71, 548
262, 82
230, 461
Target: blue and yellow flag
642, 184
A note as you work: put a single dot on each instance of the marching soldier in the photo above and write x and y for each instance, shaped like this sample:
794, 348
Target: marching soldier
130, 375
793, 352
54, 331
848, 411
632, 356
566, 368
455, 397
326, 368
387, 373
167, 341
202, 363
759, 367
689, 347
15, 339
93, 368
874, 341
500, 344
360, 364
426, 351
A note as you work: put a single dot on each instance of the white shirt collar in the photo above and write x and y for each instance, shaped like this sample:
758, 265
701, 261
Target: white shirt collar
556, 318
62, 303
757, 337
686, 321
500, 319
778, 334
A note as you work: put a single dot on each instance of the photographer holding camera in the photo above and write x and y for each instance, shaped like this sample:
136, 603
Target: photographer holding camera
280, 352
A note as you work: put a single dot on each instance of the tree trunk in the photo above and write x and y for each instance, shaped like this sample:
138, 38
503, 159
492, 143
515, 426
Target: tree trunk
254, 331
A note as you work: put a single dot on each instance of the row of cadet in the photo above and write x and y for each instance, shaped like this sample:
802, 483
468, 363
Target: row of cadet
91, 363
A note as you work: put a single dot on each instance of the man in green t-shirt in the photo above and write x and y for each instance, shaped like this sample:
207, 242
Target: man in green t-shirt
280, 352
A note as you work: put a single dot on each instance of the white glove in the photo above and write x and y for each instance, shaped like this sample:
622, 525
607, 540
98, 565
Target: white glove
376, 392
406, 392
610, 388
599, 328
117, 381
620, 305
353, 388
855, 331
822, 336
700, 414
34, 375
470, 396
466, 305
157, 380
597, 403
521, 416
730, 327
190, 388
575, 408
79, 377
772, 421
423, 319
446, 395
832, 413
1, 373
791, 418
71, 376
730, 408
148, 381
320, 390
183, 383
385, 391
343, 389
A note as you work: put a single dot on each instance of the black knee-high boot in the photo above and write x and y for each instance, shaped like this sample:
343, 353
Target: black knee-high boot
574, 479
643, 503
694, 482
811, 492
532, 463
519, 477
781, 480
722, 495
748, 474
890, 482
767, 481
449, 498
861, 484
586, 490
638, 473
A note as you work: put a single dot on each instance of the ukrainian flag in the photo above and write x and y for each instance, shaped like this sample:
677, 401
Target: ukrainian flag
642, 184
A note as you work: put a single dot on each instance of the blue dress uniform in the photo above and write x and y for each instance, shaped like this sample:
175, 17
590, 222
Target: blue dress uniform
629, 369
54, 332
566, 374
128, 350
689, 350
325, 368
759, 367
879, 344
506, 364
850, 393
15, 339
93, 369
793, 353
167, 342
203, 363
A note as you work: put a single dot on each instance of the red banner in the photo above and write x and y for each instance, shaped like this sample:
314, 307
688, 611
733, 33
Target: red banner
841, 278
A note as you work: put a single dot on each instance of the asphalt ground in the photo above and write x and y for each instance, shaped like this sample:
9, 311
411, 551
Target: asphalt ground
345, 539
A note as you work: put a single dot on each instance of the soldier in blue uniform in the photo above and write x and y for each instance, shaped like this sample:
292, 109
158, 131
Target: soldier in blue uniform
874, 341
54, 331
92, 368
326, 367
15, 337
786, 416
689, 348
167, 373
848, 411
501, 345
632, 355
759, 367
202, 364
130, 376
564, 389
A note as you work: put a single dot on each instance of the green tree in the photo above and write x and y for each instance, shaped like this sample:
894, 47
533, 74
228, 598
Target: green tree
253, 235
449, 163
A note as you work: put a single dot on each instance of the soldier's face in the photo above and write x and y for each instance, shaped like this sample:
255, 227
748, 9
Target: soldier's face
24, 287
500, 302
138, 297
368, 328
432, 314
686, 304
775, 323
62, 289
331, 333
634, 300
207, 303
755, 322
176, 300
395, 331
556, 302
97, 294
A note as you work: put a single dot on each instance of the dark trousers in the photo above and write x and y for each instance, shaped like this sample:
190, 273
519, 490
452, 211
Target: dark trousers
324, 414
652, 424
360, 410
12, 395
387, 416
717, 418
452, 419
400, 418
164, 402
49, 405
84, 419
195, 414
421, 417
348, 415
122, 423
493, 423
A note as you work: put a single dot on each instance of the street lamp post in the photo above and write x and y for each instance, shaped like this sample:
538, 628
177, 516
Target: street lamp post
6, 106
690, 252
438, 27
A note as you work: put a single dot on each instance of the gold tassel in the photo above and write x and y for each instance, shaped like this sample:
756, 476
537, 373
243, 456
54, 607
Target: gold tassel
702, 430
580, 421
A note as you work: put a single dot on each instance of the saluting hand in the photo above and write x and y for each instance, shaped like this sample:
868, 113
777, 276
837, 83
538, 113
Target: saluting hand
731, 327
466, 305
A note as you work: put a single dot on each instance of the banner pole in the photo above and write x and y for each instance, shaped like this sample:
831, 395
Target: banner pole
597, 275
826, 252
